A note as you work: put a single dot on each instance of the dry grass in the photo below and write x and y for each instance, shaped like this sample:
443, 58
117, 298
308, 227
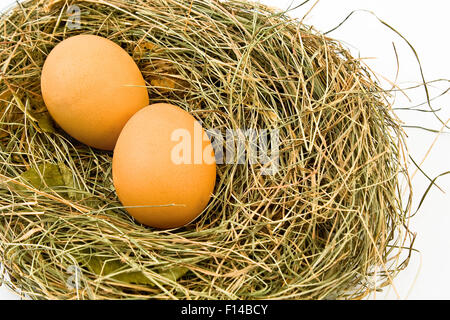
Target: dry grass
328, 223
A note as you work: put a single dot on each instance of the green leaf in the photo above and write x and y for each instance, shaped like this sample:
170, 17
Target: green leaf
174, 273
106, 267
48, 176
45, 175
67, 177
45, 122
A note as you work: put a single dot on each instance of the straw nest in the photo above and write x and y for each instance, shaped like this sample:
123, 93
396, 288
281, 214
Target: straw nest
331, 223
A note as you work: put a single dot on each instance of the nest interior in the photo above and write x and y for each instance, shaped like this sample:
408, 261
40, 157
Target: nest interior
330, 223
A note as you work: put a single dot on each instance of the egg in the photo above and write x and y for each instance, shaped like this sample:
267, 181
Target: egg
163, 167
91, 87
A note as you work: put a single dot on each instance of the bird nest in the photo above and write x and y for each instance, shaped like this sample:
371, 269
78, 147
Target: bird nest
330, 222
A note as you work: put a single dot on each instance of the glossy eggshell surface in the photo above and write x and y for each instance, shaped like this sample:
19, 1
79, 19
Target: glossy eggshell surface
91, 87
145, 173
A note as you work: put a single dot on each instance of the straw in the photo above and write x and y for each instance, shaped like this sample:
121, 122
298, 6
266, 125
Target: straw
330, 224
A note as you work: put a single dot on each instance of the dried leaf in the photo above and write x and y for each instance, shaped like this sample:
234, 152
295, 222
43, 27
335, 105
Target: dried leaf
143, 48
164, 84
174, 273
45, 122
48, 4
69, 182
48, 175
45, 175
149, 46
104, 268
4, 97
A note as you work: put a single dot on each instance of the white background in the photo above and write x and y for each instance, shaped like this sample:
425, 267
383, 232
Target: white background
426, 25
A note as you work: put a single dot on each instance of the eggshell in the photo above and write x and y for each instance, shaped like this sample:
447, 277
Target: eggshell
91, 87
171, 180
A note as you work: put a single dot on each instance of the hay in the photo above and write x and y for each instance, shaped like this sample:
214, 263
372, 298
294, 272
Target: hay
330, 224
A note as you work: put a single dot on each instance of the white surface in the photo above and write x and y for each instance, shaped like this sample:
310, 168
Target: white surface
426, 26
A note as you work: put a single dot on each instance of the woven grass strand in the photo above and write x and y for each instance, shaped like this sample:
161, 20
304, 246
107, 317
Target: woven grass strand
324, 227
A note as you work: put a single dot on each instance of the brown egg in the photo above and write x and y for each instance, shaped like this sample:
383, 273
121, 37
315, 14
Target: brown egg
164, 168
91, 87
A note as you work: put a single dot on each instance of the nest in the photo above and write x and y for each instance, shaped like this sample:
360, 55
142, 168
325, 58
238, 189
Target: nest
331, 223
